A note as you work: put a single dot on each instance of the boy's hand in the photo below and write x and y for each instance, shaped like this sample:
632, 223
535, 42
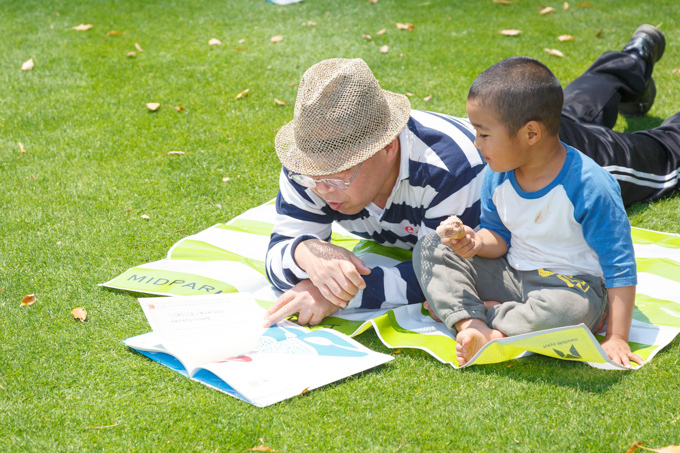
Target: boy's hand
467, 247
615, 343
619, 351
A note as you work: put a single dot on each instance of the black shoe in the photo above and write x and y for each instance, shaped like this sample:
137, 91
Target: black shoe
647, 43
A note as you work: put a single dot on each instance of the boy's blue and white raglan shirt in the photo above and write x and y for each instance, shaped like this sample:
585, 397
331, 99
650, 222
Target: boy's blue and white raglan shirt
576, 225
440, 174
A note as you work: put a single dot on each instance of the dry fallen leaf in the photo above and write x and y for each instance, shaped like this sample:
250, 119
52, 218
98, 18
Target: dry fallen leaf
372, 1
28, 65
79, 313
427, 98
502, 2
277, 38
554, 52
366, 36
279, 102
408, 94
548, 10
599, 33
153, 106
242, 93
226, 179
309, 23
28, 300
139, 48
174, 153
113, 33
565, 6
584, 5
215, 42
82, 27
676, 71
384, 49
262, 448
406, 26
145, 217
381, 32
131, 54
634, 447
239, 48
510, 32
669, 449
565, 38
241, 41
179, 108
21, 148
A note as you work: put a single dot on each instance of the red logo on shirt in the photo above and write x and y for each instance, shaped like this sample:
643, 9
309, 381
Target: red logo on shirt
409, 229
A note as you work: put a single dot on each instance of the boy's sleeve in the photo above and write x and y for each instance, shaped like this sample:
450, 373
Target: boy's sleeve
489, 218
606, 228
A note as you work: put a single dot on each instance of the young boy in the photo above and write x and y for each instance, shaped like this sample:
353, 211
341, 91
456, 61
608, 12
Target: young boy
554, 248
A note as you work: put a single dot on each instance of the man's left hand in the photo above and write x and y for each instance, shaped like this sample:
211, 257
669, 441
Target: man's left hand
304, 298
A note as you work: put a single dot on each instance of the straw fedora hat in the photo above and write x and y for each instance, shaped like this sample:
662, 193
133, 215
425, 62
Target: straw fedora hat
342, 117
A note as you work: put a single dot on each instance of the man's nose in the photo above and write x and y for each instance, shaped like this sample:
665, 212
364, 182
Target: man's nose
322, 188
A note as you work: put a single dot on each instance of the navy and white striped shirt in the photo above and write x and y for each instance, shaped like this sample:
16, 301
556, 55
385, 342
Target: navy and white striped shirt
440, 175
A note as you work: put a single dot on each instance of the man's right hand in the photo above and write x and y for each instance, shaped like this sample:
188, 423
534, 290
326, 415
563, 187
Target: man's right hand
304, 298
336, 272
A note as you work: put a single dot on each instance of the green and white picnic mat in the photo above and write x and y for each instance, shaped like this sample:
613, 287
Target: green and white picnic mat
230, 258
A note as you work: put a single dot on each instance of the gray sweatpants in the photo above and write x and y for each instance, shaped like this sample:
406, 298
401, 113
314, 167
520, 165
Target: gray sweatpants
456, 289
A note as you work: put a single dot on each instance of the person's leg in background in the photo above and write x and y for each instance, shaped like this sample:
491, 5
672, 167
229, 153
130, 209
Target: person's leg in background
645, 163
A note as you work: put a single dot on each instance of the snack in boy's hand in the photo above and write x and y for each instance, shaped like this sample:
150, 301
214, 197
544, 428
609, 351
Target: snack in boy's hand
451, 227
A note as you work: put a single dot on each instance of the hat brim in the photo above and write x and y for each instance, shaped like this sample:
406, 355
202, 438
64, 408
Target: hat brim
294, 159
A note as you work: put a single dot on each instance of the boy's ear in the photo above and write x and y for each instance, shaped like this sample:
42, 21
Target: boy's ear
532, 131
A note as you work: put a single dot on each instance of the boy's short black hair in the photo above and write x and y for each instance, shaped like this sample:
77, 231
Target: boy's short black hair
519, 90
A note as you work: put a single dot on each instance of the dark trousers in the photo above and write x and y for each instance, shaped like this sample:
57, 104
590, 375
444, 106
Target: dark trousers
645, 163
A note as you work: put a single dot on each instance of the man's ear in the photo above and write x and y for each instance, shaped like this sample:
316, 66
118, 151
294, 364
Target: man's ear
392, 149
532, 131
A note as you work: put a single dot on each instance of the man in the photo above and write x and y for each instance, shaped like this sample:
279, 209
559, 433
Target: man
357, 155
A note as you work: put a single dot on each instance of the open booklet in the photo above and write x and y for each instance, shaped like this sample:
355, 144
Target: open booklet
219, 340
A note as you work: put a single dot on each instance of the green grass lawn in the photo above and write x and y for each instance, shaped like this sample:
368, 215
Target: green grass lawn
96, 160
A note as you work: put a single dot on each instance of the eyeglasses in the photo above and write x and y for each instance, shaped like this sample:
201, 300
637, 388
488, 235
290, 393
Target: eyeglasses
331, 183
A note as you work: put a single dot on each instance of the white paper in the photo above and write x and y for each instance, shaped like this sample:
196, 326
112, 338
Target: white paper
202, 329
284, 2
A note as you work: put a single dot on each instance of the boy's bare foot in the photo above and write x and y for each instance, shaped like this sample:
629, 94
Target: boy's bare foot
491, 303
433, 315
472, 335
